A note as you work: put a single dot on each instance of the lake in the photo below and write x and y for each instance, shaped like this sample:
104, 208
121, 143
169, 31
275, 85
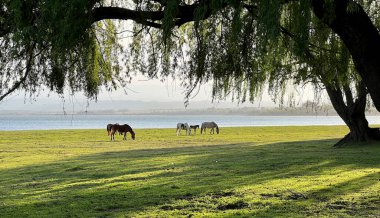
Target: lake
45, 122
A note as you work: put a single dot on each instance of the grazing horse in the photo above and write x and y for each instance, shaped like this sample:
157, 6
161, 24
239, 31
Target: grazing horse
183, 126
109, 126
194, 127
211, 125
122, 129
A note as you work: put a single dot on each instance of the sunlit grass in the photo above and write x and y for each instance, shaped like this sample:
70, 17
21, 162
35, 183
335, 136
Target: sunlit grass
251, 171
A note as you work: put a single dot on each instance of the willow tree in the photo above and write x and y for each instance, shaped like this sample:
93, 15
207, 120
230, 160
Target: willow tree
324, 61
345, 88
73, 44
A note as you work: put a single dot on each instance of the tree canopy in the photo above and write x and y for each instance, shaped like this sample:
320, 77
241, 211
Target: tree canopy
238, 45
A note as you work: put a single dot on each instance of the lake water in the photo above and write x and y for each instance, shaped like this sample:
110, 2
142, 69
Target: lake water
44, 122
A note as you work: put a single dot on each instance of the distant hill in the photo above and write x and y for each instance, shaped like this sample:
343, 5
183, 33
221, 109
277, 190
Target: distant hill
53, 106
49, 106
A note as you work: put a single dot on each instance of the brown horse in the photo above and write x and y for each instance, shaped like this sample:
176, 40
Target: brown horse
109, 128
122, 129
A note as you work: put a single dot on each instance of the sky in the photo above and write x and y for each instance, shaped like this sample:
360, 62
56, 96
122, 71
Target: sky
154, 92
143, 89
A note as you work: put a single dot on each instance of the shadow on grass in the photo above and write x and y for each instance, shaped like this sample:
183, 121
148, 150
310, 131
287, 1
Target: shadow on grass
191, 180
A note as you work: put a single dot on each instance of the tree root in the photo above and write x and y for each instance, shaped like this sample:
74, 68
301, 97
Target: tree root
372, 134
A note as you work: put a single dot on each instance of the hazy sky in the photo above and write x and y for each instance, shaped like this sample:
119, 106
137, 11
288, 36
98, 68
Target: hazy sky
141, 89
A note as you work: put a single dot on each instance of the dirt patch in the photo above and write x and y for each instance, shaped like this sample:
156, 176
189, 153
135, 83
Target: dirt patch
233, 206
186, 196
222, 194
171, 207
270, 195
296, 196
340, 205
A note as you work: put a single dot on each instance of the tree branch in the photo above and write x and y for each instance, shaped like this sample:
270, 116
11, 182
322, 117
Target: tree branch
143, 17
185, 14
22, 80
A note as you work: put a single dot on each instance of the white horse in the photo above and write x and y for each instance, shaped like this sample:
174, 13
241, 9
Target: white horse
183, 126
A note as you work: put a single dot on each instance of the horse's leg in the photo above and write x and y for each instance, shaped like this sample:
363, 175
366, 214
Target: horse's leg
125, 136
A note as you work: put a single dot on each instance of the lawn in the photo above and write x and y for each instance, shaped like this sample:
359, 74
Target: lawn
242, 172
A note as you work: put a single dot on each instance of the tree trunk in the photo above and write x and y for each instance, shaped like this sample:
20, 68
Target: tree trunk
353, 114
361, 38
359, 130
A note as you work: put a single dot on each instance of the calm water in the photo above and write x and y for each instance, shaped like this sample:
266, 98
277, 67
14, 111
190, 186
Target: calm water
35, 122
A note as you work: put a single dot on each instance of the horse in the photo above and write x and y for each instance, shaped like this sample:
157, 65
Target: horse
183, 126
122, 129
195, 128
109, 128
211, 125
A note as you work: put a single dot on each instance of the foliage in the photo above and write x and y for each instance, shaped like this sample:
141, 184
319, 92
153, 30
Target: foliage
287, 171
61, 45
238, 45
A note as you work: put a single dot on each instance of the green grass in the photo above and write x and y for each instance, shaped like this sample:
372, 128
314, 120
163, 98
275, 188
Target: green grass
252, 171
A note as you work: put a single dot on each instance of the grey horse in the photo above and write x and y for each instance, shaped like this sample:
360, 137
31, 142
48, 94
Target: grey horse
210, 125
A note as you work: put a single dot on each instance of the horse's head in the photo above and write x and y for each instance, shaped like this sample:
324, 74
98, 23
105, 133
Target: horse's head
133, 135
217, 130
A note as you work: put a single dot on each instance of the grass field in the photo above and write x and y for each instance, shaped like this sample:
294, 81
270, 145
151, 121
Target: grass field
250, 171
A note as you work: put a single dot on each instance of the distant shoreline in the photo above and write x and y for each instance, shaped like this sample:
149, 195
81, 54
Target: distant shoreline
125, 107
226, 112
147, 121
